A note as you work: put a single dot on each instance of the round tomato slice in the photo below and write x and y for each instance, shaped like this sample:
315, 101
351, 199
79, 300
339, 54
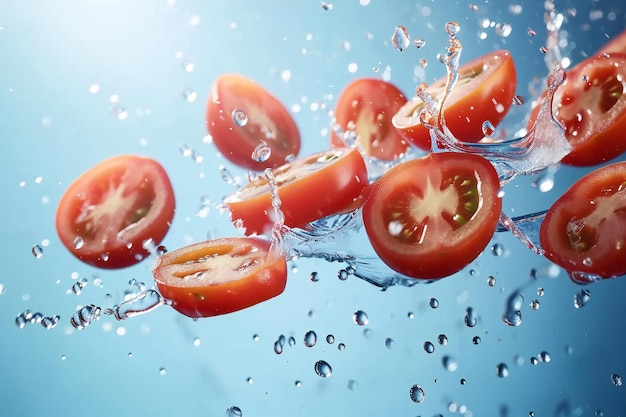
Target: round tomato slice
430, 217
585, 229
108, 215
309, 188
364, 111
484, 92
591, 105
243, 118
220, 276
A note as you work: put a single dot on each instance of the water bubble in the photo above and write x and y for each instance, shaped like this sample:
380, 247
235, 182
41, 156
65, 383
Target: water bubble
323, 369
488, 128
78, 242
540, 291
452, 28
262, 152
233, 412
419, 43
463, 381
429, 347
581, 298
502, 370
616, 380
360, 317
533, 360
37, 251
470, 317
278, 347
512, 315
497, 249
534, 304
410, 315
416, 393
491, 281
310, 338
352, 385
291, 341
449, 363
434, 303
503, 29
341, 346
240, 118
298, 384
442, 339
476, 340
256, 337
330, 339
389, 343
400, 38
50, 322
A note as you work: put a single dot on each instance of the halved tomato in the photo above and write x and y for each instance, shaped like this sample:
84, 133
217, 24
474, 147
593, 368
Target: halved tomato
106, 216
243, 117
430, 217
585, 229
364, 111
483, 93
591, 105
220, 276
309, 188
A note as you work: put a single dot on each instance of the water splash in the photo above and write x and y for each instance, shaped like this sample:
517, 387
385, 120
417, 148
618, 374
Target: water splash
141, 303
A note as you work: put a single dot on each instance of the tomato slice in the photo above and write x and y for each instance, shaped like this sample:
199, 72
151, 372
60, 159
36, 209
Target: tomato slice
591, 105
364, 111
106, 216
430, 217
243, 117
483, 92
585, 229
220, 276
309, 188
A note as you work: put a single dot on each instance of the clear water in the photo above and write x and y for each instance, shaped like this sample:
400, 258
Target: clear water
86, 80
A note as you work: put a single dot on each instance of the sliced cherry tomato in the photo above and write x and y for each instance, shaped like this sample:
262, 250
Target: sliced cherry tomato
430, 217
585, 229
107, 216
309, 188
220, 276
483, 92
243, 117
364, 110
591, 105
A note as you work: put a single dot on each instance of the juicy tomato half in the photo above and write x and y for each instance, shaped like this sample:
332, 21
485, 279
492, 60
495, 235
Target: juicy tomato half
250, 126
591, 105
430, 217
309, 188
363, 113
107, 216
220, 276
484, 92
585, 229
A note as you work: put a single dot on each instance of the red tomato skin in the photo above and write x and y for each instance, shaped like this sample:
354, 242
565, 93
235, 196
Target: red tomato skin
440, 261
605, 258
232, 92
318, 194
267, 281
383, 99
489, 98
118, 254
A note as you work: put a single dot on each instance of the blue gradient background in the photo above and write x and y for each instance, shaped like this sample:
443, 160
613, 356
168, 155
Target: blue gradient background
53, 128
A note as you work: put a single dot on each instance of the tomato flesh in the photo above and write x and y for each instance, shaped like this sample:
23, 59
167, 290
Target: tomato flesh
364, 110
309, 188
220, 276
483, 92
585, 229
109, 213
430, 217
243, 117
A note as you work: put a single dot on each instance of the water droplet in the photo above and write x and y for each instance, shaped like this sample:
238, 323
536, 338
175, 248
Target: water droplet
240, 118
262, 152
616, 380
518, 100
400, 38
50, 322
470, 317
416, 393
429, 347
314, 277
497, 249
533, 360
352, 385
534, 304
78, 286
389, 343
37, 251
330, 339
449, 363
544, 357
250, 380
491, 281
341, 346
423, 62
502, 370
410, 315
488, 128
442, 339
581, 298
503, 29
476, 340
540, 291
256, 337
463, 381
278, 347
452, 28
434, 303
543, 50
162, 371
360, 317
84, 316
189, 94
342, 274
233, 412
78, 242
512, 315
291, 341
327, 6
419, 43
197, 342
298, 384
310, 338
323, 369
